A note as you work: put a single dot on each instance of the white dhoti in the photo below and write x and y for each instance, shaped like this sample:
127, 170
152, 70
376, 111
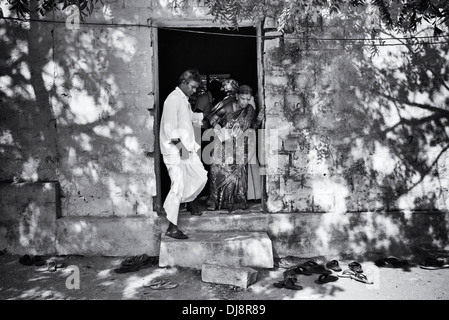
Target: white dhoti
188, 178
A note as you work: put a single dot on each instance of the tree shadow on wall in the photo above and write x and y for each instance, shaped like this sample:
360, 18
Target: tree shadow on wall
379, 123
75, 110
407, 124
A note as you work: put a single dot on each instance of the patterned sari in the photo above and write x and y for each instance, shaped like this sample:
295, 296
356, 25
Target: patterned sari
228, 171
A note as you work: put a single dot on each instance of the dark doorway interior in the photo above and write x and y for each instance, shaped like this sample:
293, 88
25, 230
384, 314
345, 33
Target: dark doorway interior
211, 51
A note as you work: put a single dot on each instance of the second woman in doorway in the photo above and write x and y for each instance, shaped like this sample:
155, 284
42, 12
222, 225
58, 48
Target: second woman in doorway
228, 172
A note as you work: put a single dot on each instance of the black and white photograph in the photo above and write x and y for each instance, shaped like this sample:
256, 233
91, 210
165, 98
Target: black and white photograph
224, 158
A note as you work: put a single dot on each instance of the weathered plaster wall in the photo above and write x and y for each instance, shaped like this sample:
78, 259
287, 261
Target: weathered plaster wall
104, 101
28, 150
78, 103
355, 132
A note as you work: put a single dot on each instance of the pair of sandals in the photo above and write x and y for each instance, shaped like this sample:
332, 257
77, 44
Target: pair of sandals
54, 265
38, 261
391, 262
310, 267
288, 283
161, 284
355, 272
355, 276
431, 263
28, 260
332, 265
136, 263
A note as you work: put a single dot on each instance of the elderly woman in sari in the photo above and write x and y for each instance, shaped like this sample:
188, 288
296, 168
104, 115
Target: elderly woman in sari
233, 125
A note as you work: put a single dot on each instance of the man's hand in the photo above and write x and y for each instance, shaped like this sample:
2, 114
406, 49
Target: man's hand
183, 152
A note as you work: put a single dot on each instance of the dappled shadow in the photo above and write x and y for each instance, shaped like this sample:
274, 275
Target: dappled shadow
70, 113
99, 281
368, 137
374, 128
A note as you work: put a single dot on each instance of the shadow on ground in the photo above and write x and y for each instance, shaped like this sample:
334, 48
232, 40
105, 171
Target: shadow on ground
99, 281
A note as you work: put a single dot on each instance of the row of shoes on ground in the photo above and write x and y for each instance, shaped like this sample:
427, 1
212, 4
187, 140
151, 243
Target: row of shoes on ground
328, 272
354, 272
37, 260
429, 263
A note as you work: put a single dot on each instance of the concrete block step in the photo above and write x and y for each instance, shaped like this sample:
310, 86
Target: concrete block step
247, 249
242, 277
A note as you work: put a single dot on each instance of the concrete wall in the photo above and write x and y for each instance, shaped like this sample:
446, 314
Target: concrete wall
350, 132
28, 215
79, 109
356, 235
355, 131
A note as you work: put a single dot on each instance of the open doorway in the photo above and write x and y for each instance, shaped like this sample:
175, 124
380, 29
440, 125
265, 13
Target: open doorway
214, 52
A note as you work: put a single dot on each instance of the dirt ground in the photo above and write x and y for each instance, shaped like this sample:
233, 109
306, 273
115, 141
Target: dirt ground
99, 281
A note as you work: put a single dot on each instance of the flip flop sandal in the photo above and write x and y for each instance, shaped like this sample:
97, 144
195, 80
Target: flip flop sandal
39, 261
287, 284
347, 274
356, 267
163, 285
52, 266
129, 261
153, 283
333, 265
355, 276
313, 267
391, 262
434, 264
309, 263
149, 261
361, 278
289, 274
325, 278
26, 260
444, 266
302, 270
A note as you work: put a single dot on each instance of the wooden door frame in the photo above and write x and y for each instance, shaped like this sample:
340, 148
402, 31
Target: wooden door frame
157, 200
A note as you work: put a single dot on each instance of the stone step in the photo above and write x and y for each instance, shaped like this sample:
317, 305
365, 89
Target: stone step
242, 277
246, 249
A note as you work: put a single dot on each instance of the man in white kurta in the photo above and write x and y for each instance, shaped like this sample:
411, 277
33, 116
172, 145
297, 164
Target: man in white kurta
179, 149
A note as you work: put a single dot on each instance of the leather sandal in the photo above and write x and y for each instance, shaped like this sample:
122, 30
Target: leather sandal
325, 278
356, 267
333, 265
357, 276
176, 234
289, 283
